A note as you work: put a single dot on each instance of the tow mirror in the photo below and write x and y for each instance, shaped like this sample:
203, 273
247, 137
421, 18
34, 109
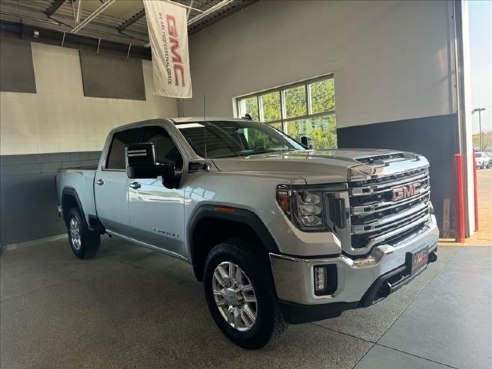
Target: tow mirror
140, 163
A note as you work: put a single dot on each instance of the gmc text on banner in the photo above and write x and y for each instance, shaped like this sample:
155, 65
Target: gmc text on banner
168, 34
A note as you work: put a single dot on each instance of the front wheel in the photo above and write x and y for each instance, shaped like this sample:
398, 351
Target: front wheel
241, 295
84, 243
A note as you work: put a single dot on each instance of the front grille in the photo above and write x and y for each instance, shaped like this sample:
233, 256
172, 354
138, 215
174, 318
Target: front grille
376, 218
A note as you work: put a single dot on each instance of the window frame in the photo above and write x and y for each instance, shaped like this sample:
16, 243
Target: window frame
283, 108
107, 151
110, 147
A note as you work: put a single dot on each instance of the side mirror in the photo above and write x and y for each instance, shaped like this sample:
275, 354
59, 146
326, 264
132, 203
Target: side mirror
140, 162
307, 142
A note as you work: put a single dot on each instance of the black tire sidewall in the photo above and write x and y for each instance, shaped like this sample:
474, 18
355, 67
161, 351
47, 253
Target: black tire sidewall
81, 253
257, 272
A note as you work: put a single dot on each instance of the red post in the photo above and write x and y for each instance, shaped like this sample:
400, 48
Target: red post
460, 201
475, 191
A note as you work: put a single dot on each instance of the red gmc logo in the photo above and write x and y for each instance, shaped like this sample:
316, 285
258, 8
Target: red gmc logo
176, 57
420, 258
406, 191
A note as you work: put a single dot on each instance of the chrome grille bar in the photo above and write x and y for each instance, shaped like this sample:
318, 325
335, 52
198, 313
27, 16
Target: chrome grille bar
376, 219
387, 220
385, 187
364, 210
379, 239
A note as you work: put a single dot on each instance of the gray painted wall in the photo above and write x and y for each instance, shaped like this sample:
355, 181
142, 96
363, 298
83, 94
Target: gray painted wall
391, 60
28, 206
59, 118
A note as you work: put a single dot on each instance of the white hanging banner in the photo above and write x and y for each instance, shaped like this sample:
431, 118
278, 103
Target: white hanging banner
168, 34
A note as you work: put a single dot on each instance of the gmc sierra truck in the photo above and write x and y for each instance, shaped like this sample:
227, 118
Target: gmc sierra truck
277, 233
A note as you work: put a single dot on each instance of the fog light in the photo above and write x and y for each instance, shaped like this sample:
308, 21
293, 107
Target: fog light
319, 279
325, 279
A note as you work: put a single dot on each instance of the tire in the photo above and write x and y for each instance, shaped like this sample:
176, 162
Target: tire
254, 266
84, 243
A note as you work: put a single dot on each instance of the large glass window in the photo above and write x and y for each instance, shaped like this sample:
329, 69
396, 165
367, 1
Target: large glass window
271, 108
249, 106
301, 109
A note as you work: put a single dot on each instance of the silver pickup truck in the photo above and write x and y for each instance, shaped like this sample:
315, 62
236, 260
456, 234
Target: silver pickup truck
277, 233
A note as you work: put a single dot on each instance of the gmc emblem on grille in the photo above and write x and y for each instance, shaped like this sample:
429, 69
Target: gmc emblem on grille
405, 192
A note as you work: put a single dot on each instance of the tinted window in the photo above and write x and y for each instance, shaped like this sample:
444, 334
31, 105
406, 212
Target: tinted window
165, 149
116, 156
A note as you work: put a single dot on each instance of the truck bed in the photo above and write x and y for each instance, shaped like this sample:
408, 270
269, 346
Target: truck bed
81, 181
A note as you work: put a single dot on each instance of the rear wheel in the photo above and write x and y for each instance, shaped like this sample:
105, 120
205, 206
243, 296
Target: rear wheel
84, 243
241, 295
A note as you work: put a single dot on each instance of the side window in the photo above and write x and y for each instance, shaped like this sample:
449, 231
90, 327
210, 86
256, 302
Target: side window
116, 155
165, 149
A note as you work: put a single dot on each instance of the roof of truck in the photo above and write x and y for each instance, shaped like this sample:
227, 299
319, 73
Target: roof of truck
201, 119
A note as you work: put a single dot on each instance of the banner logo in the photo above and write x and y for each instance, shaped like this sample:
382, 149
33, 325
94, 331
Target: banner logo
168, 34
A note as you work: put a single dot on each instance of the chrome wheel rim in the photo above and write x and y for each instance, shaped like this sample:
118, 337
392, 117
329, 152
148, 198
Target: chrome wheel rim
75, 233
234, 296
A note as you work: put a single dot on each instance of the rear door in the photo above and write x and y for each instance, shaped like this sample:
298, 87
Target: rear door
157, 212
111, 183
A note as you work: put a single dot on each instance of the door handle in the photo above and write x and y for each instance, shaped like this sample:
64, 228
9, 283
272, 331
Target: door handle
135, 185
100, 182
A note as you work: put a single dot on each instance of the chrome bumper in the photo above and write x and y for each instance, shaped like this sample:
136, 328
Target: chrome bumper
294, 277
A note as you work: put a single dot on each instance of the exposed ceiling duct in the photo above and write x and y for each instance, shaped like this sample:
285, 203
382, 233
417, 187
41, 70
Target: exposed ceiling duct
92, 16
116, 21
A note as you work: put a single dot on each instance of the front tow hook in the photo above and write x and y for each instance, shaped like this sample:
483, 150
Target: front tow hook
433, 257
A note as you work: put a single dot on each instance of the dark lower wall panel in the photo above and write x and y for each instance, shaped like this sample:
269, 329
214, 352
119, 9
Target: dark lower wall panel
16, 66
434, 137
28, 202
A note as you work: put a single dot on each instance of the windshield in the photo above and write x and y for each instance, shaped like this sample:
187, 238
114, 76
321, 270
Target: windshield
224, 139
478, 154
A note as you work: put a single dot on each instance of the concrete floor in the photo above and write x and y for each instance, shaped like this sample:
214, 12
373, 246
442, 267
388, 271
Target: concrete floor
134, 308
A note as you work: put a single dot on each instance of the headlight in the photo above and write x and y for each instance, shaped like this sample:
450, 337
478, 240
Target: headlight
312, 209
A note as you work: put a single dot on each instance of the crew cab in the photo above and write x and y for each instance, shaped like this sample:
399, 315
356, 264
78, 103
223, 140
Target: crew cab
278, 233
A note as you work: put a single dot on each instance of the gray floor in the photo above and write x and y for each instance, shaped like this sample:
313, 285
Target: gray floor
133, 308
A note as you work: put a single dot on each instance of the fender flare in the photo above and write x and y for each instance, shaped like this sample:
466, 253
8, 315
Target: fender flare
235, 214
70, 191
94, 223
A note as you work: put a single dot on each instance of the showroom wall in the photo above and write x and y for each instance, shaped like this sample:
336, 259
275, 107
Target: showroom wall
58, 126
392, 62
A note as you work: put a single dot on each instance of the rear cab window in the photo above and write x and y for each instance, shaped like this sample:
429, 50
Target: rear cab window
116, 154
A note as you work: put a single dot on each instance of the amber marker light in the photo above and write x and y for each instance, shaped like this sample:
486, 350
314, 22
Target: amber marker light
283, 198
225, 209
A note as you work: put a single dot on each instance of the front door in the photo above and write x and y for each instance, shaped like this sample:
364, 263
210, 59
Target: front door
156, 212
111, 184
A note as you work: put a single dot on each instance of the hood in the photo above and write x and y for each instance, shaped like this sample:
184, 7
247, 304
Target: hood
324, 166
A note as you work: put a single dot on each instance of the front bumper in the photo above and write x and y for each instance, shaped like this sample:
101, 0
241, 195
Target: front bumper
360, 282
